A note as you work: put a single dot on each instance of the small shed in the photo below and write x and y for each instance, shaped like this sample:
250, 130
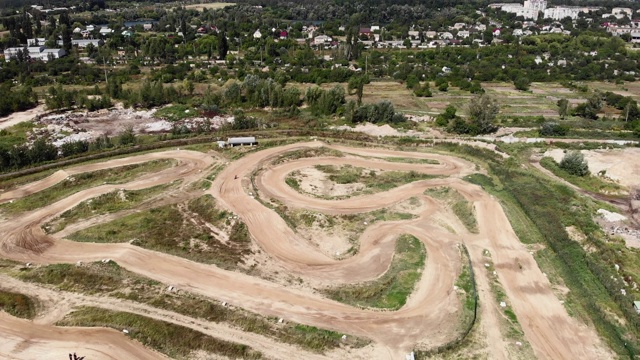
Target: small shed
242, 141
636, 306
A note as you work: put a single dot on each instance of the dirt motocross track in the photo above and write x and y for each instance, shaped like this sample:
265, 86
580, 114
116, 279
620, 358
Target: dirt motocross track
430, 314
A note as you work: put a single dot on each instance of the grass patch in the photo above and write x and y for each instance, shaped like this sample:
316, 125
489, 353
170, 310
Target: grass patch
176, 112
214, 6
180, 230
394, 287
112, 280
372, 180
13, 183
590, 183
17, 305
78, 182
92, 278
172, 340
16, 134
412, 160
462, 208
104, 204
307, 153
350, 226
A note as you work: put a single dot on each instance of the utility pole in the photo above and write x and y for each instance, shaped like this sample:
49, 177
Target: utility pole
366, 64
104, 65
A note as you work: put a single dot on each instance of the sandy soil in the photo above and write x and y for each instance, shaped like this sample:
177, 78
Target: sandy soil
19, 117
428, 318
314, 181
621, 165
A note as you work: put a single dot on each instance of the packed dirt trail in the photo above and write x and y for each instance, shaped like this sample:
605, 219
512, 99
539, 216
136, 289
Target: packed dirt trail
430, 317
22, 116
23, 339
57, 304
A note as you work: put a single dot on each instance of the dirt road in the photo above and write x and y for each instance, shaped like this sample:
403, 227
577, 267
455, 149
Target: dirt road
429, 317
19, 117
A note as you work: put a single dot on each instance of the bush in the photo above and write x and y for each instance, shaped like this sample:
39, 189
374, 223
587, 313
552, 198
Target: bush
553, 129
575, 164
522, 83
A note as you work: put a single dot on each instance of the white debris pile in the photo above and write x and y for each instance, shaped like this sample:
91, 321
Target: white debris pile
611, 216
87, 136
192, 124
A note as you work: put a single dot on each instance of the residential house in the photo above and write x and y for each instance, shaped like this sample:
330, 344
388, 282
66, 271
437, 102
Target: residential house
321, 39
257, 34
445, 35
414, 34
105, 31
36, 41
463, 34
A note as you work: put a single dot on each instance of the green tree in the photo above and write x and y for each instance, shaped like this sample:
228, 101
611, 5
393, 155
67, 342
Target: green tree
356, 84
522, 83
575, 164
127, 136
591, 108
223, 45
483, 110
448, 115
563, 108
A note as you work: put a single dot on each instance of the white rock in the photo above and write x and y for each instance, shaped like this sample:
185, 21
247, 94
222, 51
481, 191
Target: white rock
125, 331
503, 304
518, 343
486, 265
344, 337
280, 321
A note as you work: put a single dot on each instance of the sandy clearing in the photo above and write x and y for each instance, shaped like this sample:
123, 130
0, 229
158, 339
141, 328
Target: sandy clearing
430, 315
621, 165
19, 117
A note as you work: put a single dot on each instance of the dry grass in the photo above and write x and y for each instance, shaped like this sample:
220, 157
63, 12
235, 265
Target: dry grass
214, 6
